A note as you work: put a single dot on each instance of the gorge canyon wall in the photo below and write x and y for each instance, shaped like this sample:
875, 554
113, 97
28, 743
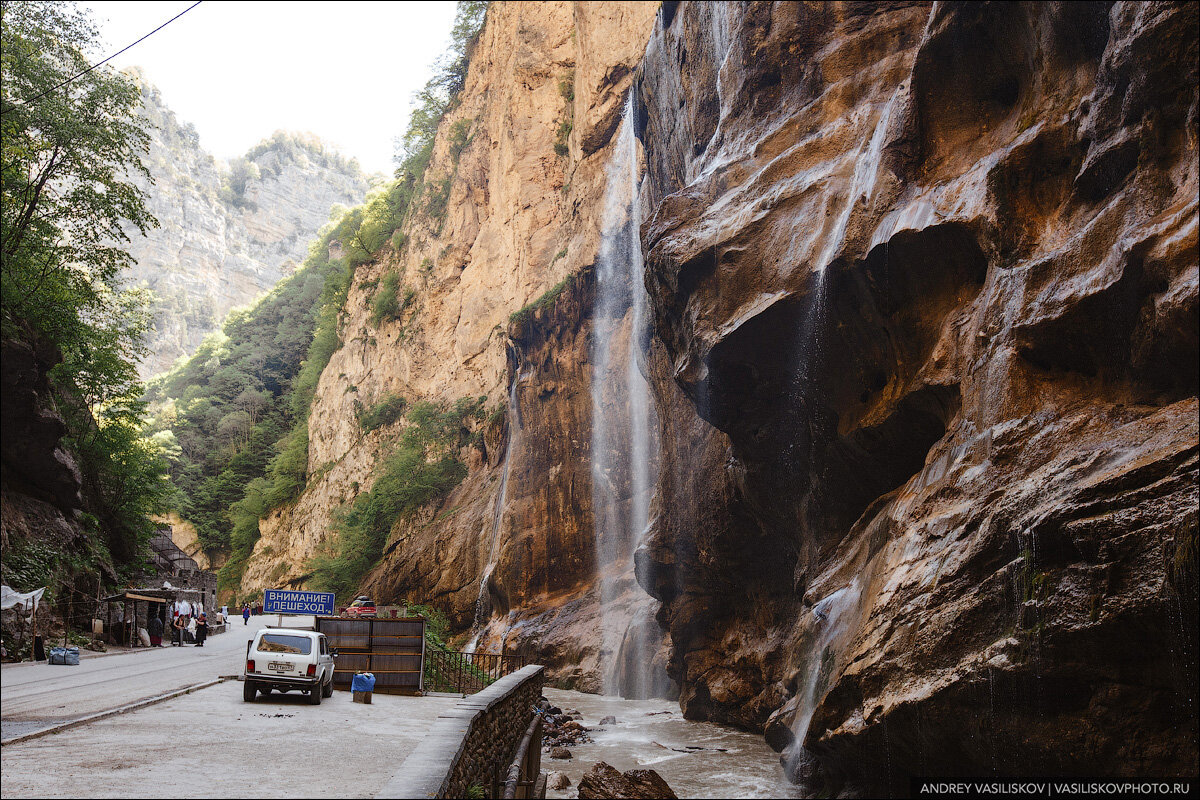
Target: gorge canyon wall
922, 287
500, 287
931, 274
227, 232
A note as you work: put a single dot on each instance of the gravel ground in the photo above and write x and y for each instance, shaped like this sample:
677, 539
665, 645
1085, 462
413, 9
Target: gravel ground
212, 744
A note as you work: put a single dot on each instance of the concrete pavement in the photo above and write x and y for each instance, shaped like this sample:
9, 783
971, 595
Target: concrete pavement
37, 695
212, 744
209, 743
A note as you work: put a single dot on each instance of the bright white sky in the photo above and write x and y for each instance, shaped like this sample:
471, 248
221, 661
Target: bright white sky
239, 71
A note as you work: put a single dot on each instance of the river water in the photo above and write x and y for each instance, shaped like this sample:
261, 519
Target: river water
697, 759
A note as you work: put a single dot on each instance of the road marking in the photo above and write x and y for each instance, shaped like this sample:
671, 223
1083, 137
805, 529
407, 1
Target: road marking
112, 712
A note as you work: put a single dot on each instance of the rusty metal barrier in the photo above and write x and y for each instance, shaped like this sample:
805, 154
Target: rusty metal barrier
525, 772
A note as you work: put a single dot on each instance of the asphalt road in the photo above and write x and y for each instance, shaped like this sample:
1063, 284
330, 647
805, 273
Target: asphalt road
212, 744
38, 695
209, 743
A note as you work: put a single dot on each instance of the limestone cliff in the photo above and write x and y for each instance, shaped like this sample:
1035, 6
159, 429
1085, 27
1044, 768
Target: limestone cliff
923, 283
928, 277
227, 232
522, 215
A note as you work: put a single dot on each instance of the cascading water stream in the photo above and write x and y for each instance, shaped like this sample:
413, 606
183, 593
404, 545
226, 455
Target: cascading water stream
866, 170
623, 425
483, 605
834, 620
833, 616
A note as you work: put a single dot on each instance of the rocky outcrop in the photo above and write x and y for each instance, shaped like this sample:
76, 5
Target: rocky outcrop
606, 782
226, 235
925, 284
185, 537
34, 461
521, 219
43, 495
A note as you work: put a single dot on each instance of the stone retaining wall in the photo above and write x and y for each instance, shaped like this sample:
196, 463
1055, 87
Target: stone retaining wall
473, 743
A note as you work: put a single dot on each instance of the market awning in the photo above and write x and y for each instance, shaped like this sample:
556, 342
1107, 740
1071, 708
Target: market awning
135, 596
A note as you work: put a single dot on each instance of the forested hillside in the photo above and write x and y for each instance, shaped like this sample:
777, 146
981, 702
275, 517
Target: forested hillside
235, 415
80, 480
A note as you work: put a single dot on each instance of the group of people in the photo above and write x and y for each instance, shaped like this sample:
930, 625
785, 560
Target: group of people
183, 627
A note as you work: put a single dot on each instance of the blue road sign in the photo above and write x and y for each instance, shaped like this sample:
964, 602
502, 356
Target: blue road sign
284, 601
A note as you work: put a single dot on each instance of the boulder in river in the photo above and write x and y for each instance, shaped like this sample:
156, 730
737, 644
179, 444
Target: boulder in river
560, 752
557, 780
605, 782
609, 720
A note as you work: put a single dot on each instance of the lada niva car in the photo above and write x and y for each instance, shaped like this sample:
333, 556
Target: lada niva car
286, 660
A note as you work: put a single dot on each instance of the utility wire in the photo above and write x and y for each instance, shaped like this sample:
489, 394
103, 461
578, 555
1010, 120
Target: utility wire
105, 61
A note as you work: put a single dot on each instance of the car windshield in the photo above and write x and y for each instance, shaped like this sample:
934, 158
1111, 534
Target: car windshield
282, 643
361, 603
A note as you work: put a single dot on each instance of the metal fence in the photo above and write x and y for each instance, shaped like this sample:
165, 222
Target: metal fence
466, 673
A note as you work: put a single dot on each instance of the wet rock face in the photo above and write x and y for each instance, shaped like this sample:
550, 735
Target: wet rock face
925, 285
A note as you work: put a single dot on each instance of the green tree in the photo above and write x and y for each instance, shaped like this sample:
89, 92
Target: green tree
66, 157
71, 139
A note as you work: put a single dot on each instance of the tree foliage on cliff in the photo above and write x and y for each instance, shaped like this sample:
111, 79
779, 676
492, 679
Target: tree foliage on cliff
66, 154
423, 468
238, 409
69, 144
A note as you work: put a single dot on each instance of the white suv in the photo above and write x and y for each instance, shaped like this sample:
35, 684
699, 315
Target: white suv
287, 659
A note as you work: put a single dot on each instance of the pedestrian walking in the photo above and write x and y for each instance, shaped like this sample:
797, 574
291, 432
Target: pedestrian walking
245, 613
201, 630
179, 626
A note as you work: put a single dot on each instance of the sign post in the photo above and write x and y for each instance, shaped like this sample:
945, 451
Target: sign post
284, 601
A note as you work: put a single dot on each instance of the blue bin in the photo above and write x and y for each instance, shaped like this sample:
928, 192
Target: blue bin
363, 682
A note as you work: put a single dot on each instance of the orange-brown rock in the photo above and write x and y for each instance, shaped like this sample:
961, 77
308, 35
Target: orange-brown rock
520, 219
927, 276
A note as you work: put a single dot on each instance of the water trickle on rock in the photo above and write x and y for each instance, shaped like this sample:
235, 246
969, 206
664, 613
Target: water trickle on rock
483, 603
834, 620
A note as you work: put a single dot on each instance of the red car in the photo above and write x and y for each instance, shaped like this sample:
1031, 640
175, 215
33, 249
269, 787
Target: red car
361, 607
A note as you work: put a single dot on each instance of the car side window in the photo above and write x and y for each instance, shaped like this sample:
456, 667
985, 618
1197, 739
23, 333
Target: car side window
323, 652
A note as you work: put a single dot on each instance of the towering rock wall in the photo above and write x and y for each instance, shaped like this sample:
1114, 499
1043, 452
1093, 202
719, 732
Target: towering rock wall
522, 217
925, 287
225, 236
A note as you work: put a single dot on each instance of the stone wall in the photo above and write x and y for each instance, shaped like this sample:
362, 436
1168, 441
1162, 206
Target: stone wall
474, 742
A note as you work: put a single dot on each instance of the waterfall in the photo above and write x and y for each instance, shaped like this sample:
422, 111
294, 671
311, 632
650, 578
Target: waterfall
624, 426
483, 603
832, 622
834, 615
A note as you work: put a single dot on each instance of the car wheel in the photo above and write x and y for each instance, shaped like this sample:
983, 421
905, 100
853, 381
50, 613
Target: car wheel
327, 690
249, 691
314, 695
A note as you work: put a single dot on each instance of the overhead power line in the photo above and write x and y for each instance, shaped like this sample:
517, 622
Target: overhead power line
105, 61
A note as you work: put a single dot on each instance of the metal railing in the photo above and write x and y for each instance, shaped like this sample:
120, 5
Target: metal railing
455, 671
526, 767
